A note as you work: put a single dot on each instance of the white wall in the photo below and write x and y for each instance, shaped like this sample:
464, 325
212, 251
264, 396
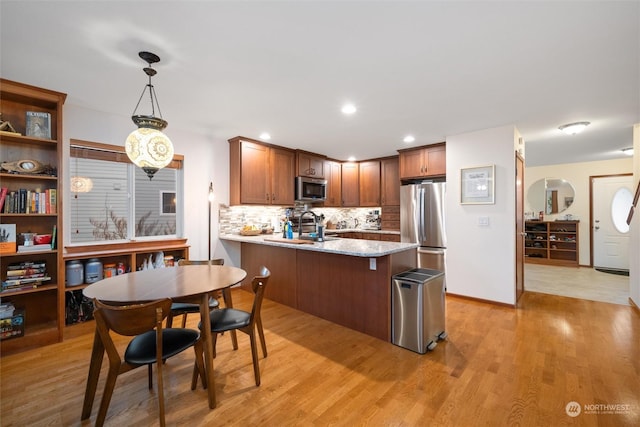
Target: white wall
481, 259
205, 160
578, 175
634, 250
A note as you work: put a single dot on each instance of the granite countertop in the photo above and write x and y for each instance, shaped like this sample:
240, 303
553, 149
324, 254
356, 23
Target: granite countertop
333, 231
339, 245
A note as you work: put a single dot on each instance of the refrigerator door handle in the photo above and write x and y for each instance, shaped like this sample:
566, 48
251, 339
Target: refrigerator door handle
431, 251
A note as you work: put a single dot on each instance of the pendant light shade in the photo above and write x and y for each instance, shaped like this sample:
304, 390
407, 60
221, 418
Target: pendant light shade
81, 184
147, 147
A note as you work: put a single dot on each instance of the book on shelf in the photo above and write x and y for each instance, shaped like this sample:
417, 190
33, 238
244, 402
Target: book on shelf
7, 238
3, 197
34, 248
27, 264
53, 201
21, 284
39, 124
26, 272
54, 236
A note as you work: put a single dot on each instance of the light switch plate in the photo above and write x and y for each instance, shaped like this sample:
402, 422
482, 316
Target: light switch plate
483, 221
372, 263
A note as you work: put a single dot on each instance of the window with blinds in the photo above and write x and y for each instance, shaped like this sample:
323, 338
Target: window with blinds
113, 200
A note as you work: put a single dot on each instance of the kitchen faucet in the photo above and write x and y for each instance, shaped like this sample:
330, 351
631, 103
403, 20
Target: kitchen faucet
315, 221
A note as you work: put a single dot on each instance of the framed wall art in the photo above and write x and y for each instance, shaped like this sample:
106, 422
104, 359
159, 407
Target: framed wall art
477, 185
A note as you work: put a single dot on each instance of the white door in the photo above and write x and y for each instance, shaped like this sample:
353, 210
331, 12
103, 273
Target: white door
612, 198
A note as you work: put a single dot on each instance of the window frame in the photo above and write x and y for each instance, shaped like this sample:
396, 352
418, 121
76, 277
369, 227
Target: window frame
107, 152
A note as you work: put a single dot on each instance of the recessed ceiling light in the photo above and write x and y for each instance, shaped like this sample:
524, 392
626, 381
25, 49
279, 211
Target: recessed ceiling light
351, 159
265, 136
409, 139
349, 109
628, 151
574, 128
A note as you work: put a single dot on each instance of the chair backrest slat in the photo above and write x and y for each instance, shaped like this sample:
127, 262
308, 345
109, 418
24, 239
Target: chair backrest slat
132, 319
258, 284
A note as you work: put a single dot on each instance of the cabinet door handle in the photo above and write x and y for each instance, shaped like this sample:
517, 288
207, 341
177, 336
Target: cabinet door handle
267, 196
273, 197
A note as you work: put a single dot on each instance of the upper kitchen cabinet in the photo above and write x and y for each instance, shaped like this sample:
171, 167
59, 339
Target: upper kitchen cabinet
369, 177
350, 185
427, 161
390, 181
333, 172
310, 164
260, 174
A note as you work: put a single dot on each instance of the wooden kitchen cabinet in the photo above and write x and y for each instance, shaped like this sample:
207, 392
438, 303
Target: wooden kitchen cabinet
427, 161
390, 181
350, 185
260, 174
333, 171
369, 183
309, 164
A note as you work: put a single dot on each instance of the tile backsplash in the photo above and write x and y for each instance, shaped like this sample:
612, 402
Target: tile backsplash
233, 218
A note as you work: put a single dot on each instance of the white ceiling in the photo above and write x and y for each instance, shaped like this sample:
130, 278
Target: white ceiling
430, 69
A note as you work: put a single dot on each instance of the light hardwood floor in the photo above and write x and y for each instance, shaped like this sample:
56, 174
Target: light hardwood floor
500, 366
582, 282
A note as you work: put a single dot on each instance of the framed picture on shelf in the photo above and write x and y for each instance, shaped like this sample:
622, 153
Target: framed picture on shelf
477, 185
39, 124
7, 238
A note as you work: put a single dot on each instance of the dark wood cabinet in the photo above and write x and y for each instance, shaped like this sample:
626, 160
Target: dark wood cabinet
333, 171
423, 162
369, 183
310, 164
41, 302
552, 242
390, 182
350, 185
282, 176
260, 174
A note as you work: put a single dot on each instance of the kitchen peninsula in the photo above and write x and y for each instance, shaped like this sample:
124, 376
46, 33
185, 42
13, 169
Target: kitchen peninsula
345, 281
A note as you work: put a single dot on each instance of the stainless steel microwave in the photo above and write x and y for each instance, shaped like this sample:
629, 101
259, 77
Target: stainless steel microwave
311, 189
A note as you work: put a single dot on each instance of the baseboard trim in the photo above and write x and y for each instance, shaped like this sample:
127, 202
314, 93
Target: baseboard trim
485, 301
634, 306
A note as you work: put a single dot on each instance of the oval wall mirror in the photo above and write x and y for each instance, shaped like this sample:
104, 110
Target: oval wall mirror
550, 195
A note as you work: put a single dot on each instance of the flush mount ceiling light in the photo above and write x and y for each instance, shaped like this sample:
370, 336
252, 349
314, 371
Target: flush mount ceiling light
628, 151
574, 128
348, 109
265, 136
147, 147
409, 139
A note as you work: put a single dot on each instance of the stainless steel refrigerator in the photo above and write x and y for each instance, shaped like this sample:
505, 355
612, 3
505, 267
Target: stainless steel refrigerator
422, 221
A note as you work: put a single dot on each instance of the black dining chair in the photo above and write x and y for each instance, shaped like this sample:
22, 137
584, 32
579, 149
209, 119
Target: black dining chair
151, 344
231, 319
185, 308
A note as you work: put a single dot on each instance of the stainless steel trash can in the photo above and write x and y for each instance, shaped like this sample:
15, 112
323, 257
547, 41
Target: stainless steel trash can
418, 309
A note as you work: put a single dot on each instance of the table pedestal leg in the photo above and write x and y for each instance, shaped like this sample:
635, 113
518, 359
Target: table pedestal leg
97, 353
208, 349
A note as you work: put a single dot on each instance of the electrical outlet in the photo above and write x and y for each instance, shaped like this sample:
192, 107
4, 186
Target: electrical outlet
372, 263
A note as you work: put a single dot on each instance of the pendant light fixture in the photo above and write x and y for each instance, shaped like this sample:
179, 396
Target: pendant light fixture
147, 147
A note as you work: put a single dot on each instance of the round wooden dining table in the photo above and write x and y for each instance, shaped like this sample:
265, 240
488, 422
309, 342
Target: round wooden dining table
192, 283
